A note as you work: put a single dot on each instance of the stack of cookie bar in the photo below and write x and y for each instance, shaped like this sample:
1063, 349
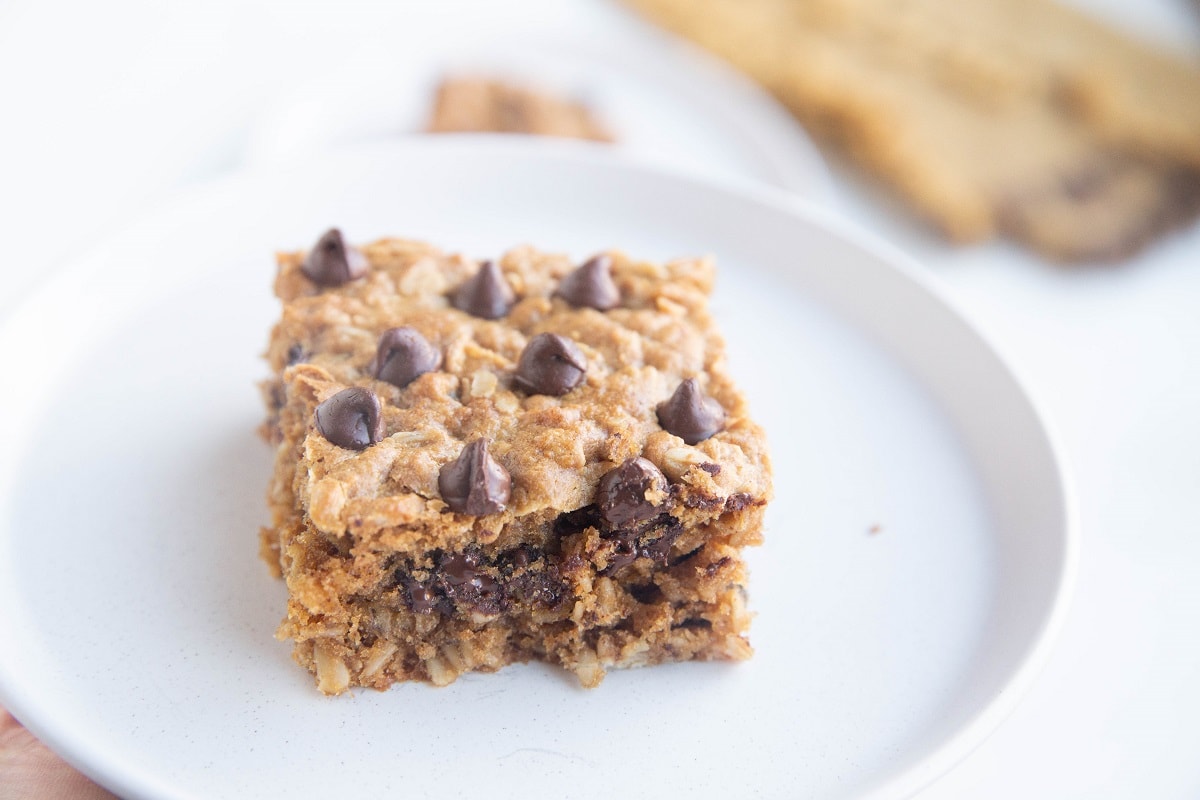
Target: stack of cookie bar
485, 463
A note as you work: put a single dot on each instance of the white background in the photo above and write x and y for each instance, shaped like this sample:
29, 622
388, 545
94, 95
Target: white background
106, 108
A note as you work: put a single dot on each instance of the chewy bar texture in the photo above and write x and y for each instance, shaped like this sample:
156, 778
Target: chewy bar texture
1022, 118
522, 460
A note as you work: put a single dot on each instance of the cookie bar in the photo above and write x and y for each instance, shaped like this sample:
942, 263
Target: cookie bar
524, 459
1020, 118
481, 105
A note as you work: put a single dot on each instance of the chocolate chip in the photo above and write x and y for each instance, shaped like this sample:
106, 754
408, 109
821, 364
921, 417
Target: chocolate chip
459, 568
485, 294
646, 593
331, 262
693, 624
520, 557
738, 501
690, 415
550, 364
352, 418
591, 285
475, 483
631, 493
659, 550
577, 521
705, 502
688, 556
422, 598
296, 354
278, 397
403, 356
625, 552
468, 585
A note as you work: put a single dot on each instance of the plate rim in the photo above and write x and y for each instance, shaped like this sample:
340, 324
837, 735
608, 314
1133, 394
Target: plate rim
135, 782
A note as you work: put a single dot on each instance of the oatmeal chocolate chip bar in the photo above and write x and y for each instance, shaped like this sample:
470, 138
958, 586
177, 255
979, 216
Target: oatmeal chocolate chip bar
481, 105
486, 463
1020, 118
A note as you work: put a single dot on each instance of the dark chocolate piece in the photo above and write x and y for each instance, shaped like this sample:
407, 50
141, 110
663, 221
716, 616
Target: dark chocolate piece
550, 364
738, 501
631, 493
625, 552
468, 585
520, 557
352, 418
296, 354
691, 415
403, 356
659, 550
475, 483
485, 294
577, 521
459, 568
591, 285
331, 262
422, 598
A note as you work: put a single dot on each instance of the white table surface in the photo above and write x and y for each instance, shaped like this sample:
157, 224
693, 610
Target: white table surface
105, 108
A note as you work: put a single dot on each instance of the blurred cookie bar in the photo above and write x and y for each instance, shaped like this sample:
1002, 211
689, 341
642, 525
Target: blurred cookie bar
483, 105
988, 117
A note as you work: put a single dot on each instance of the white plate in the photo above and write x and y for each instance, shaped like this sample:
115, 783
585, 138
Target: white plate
661, 98
138, 621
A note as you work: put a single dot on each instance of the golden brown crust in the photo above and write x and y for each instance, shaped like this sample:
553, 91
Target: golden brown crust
350, 528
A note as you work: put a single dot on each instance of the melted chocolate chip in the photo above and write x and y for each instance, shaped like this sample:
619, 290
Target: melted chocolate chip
631, 493
422, 598
690, 415
686, 557
331, 262
625, 552
485, 294
403, 356
475, 483
550, 364
659, 550
459, 568
352, 418
468, 585
646, 593
591, 285
520, 557
576, 521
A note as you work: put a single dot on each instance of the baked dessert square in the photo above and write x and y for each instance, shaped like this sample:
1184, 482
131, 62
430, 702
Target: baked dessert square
481, 105
521, 459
